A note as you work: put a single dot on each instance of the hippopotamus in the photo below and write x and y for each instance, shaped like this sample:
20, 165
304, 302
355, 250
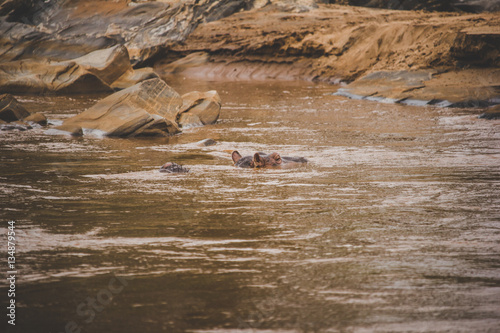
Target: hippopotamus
264, 160
171, 167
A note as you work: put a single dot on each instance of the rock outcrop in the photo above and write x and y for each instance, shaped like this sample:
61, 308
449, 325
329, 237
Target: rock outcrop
64, 47
199, 108
133, 76
11, 110
147, 108
339, 43
63, 29
13, 115
466, 88
108, 64
96, 72
36, 118
475, 6
43, 77
77, 46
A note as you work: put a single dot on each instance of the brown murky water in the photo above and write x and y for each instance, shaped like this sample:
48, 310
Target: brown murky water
393, 226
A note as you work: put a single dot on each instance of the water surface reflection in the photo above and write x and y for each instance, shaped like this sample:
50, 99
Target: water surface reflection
393, 225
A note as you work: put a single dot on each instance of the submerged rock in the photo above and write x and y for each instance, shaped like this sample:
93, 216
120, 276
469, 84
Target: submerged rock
207, 142
475, 6
13, 115
147, 106
36, 118
67, 129
491, 113
466, 88
199, 108
16, 125
11, 109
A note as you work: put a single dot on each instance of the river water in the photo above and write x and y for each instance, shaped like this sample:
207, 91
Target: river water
394, 225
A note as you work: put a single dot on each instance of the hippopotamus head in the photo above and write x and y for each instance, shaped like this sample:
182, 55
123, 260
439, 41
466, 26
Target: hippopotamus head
263, 161
171, 167
258, 160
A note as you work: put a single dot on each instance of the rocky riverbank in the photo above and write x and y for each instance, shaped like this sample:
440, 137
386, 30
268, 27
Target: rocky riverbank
416, 57
448, 58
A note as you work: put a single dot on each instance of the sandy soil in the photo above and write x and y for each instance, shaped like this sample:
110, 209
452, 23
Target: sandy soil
335, 43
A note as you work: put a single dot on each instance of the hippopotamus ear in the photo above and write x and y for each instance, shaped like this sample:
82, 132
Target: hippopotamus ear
258, 161
236, 156
166, 165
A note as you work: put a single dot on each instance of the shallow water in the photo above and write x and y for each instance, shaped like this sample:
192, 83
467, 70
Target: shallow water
394, 225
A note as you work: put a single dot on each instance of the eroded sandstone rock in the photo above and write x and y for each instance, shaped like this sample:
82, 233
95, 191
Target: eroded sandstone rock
61, 30
465, 88
108, 64
200, 108
43, 77
36, 118
67, 129
476, 6
133, 76
147, 106
11, 110
99, 71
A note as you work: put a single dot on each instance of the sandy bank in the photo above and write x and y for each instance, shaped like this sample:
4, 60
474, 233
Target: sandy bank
437, 57
459, 53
